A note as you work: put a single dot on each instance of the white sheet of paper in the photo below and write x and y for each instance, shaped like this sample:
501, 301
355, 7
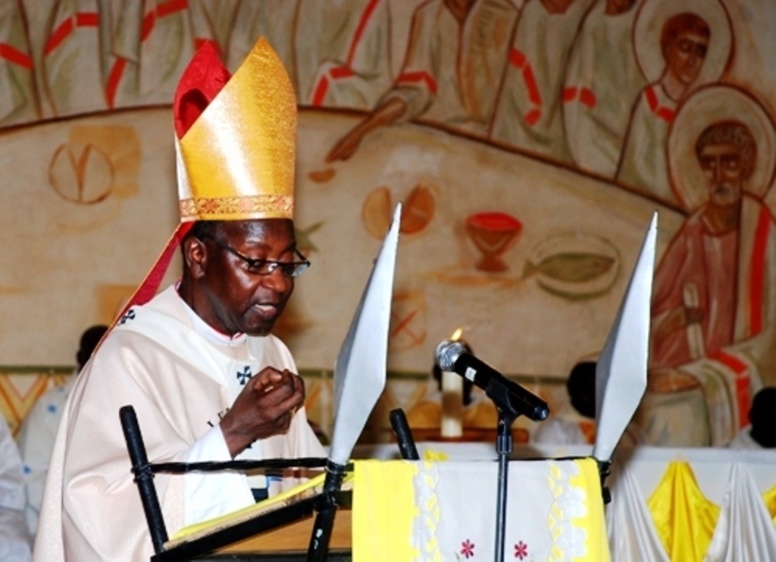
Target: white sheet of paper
621, 371
360, 369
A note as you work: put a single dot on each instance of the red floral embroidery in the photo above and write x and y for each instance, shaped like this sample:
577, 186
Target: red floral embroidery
521, 550
467, 548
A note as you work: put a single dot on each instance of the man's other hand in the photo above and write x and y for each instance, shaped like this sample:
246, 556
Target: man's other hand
264, 408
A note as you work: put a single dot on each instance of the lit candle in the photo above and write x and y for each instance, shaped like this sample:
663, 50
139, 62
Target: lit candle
452, 400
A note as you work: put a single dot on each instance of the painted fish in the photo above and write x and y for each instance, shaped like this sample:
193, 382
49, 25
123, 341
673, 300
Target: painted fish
571, 267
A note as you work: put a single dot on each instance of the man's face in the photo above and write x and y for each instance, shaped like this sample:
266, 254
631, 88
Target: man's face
237, 300
685, 55
722, 166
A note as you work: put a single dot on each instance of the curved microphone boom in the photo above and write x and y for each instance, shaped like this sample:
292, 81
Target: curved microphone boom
507, 394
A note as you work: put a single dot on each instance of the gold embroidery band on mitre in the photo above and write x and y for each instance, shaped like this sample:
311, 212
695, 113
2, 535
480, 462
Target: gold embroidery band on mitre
238, 208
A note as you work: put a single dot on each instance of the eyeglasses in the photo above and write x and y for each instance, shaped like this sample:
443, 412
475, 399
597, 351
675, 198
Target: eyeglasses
268, 267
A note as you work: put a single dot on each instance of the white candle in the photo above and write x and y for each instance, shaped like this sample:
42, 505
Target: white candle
452, 404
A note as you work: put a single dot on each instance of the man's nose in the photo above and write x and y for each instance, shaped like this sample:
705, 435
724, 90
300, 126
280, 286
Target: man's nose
718, 172
695, 58
277, 281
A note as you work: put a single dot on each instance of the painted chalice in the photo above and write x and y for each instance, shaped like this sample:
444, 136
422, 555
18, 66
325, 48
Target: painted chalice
493, 233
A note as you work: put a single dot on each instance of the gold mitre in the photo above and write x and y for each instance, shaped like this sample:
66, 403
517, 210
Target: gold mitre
236, 160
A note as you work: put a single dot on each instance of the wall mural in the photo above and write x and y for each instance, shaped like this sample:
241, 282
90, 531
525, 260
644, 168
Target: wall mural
529, 141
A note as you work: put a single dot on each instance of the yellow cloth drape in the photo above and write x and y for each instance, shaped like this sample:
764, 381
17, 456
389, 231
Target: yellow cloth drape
394, 519
769, 498
592, 522
684, 518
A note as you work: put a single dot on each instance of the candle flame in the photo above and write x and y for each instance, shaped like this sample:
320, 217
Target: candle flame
457, 334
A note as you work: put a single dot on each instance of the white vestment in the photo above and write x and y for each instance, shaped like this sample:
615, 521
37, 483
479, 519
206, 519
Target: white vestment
36, 441
744, 440
560, 431
180, 376
14, 538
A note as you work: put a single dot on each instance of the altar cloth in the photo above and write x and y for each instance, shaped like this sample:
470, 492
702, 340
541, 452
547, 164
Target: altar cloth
439, 511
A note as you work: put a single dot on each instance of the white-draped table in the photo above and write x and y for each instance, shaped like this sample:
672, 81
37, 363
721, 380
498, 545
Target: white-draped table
668, 504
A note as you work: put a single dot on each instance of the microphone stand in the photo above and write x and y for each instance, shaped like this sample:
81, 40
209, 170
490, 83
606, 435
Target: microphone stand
507, 414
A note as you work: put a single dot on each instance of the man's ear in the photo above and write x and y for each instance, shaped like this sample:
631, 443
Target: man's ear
195, 256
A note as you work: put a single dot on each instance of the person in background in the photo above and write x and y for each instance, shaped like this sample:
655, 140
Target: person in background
37, 434
579, 428
14, 537
761, 431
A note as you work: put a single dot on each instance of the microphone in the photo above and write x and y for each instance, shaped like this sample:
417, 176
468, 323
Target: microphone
507, 394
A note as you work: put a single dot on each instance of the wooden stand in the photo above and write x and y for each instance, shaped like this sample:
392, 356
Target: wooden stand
294, 538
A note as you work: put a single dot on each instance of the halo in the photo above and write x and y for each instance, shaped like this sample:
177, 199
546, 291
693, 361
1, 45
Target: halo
649, 25
704, 107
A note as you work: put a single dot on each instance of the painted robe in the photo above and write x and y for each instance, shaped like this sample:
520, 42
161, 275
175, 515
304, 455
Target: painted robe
451, 72
19, 101
529, 110
737, 329
70, 41
643, 163
602, 79
150, 47
337, 53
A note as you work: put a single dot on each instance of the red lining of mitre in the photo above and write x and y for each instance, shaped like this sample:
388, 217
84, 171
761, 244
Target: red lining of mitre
203, 78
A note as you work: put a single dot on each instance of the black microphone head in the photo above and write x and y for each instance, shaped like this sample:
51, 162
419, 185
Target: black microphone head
540, 411
447, 353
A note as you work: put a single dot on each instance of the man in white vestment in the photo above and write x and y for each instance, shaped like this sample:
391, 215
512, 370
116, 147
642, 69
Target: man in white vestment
39, 430
578, 427
197, 362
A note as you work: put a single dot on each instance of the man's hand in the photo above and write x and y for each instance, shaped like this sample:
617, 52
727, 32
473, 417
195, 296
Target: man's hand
264, 408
